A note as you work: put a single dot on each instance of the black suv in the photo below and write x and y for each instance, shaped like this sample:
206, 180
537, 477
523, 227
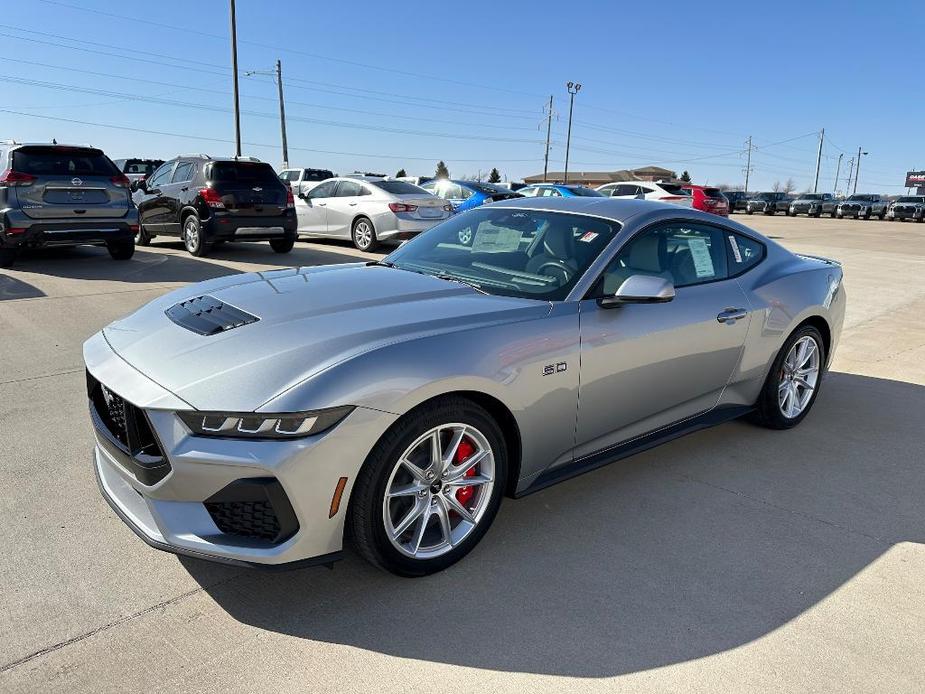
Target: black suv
63, 195
738, 199
206, 201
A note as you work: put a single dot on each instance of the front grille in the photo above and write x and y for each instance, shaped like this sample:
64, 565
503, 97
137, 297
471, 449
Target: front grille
255, 508
128, 431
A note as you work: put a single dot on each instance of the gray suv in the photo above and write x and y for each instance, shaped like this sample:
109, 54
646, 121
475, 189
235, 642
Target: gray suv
813, 205
59, 195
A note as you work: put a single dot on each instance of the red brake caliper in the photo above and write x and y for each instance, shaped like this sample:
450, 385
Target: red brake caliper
465, 449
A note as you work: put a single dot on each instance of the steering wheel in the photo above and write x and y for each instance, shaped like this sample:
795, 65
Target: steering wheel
563, 273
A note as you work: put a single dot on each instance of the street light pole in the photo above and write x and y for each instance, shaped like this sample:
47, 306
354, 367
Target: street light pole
573, 89
837, 171
282, 113
819, 161
548, 133
234, 69
857, 169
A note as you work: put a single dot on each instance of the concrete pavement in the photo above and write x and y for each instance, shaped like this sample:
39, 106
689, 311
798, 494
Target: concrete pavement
736, 559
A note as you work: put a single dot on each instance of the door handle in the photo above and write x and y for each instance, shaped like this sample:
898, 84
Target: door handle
322, 204
352, 204
731, 315
184, 189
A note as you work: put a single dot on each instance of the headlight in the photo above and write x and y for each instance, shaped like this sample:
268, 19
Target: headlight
256, 425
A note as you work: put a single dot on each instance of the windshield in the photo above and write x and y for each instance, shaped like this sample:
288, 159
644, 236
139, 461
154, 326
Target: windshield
674, 189
486, 187
243, 172
583, 192
533, 254
912, 198
811, 196
317, 175
399, 188
862, 198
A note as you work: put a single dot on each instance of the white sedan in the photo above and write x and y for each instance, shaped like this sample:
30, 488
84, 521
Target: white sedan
648, 190
368, 210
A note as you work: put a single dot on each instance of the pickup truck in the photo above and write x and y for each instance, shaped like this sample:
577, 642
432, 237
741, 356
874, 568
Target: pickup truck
812, 205
862, 206
768, 203
907, 207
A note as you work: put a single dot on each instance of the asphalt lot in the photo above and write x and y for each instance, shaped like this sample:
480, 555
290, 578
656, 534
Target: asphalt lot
736, 559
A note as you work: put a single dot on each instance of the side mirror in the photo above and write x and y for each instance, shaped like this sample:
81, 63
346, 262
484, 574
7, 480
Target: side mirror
140, 184
640, 289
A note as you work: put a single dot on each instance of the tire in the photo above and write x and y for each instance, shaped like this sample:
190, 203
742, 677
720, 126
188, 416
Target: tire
191, 234
282, 245
769, 408
882, 215
370, 510
748, 211
832, 214
8, 256
364, 235
121, 250
142, 238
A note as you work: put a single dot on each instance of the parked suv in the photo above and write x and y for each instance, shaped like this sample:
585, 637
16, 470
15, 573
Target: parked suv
738, 199
206, 201
768, 203
58, 195
907, 207
649, 190
303, 180
137, 169
862, 206
707, 199
812, 205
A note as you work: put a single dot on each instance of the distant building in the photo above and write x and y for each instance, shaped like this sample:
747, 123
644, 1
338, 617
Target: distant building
593, 179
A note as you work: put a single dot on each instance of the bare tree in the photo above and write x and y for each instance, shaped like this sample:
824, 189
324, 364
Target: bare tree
789, 186
776, 187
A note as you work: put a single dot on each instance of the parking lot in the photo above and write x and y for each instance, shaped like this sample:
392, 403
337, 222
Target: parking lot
736, 559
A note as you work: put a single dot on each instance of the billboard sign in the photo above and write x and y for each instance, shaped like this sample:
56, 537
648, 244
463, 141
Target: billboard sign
915, 179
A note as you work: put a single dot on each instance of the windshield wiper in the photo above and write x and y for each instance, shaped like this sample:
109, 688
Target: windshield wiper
383, 263
468, 283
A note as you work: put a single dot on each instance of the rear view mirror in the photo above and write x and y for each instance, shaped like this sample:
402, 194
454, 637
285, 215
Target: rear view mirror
640, 289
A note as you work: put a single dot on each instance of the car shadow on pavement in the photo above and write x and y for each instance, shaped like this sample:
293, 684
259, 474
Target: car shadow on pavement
148, 266
681, 552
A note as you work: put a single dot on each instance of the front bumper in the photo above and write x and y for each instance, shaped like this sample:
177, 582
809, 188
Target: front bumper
907, 213
169, 511
43, 233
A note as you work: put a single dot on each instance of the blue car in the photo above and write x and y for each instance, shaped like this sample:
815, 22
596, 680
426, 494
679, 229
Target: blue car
559, 190
464, 195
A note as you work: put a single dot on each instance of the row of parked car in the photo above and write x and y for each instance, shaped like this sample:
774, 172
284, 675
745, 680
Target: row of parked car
54, 194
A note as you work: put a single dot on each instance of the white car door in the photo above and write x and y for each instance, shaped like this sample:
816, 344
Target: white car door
312, 208
344, 207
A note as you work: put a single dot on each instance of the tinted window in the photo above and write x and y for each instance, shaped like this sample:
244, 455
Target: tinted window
526, 253
349, 189
62, 161
686, 254
323, 190
712, 192
184, 172
583, 192
673, 189
242, 172
529, 191
742, 253
161, 176
315, 175
488, 188
911, 198
398, 187
140, 166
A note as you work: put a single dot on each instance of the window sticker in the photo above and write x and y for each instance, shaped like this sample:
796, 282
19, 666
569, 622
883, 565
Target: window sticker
703, 263
589, 236
735, 248
491, 239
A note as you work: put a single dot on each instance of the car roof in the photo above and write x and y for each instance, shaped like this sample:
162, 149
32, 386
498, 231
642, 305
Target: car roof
611, 208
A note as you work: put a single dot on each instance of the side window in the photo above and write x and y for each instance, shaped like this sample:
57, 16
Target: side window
287, 176
686, 254
528, 192
183, 172
323, 190
349, 189
161, 176
742, 253
451, 191
551, 193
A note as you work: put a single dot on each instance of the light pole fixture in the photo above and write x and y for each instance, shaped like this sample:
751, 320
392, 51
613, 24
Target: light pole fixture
573, 89
857, 169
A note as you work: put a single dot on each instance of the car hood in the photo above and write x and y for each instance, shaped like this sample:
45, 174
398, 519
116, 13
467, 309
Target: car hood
308, 320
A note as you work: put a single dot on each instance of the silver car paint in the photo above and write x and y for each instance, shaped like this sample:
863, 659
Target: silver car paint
387, 340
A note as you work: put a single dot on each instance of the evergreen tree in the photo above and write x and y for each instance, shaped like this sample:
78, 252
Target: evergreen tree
686, 177
494, 176
442, 171
401, 172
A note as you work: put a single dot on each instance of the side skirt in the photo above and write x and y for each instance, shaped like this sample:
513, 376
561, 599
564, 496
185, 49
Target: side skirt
612, 454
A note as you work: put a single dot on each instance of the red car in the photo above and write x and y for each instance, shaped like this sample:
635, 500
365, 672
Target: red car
709, 200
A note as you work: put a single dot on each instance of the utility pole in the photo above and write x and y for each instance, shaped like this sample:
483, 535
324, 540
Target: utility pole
282, 113
837, 171
234, 69
850, 174
573, 89
548, 133
819, 160
748, 164
857, 170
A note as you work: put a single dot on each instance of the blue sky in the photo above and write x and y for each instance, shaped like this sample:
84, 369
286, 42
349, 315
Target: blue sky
381, 85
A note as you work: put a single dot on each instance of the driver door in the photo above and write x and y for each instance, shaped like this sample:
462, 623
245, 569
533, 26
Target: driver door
648, 365
312, 208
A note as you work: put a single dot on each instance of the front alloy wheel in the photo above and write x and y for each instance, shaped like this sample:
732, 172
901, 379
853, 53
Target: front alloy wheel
798, 377
364, 236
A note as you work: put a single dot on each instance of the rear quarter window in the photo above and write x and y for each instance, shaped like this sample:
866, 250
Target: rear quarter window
63, 161
742, 253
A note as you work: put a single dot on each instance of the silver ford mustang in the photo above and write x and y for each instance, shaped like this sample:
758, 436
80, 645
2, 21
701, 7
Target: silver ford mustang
264, 418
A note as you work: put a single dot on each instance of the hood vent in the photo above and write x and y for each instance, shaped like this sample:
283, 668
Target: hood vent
206, 315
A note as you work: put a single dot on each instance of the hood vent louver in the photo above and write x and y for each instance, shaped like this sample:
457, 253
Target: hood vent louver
206, 315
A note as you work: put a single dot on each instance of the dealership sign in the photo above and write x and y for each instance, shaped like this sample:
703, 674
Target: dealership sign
915, 179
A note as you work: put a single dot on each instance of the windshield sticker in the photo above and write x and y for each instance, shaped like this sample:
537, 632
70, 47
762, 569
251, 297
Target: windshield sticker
491, 239
735, 248
589, 236
703, 263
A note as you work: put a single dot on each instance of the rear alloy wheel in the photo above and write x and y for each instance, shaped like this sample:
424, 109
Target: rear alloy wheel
193, 238
793, 383
121, 250
364, 235
430, 489
282, 245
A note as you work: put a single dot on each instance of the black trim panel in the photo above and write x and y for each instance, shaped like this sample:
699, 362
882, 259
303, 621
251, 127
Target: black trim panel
612, 454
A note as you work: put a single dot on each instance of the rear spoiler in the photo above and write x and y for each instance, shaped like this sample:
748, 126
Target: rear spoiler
819, 259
